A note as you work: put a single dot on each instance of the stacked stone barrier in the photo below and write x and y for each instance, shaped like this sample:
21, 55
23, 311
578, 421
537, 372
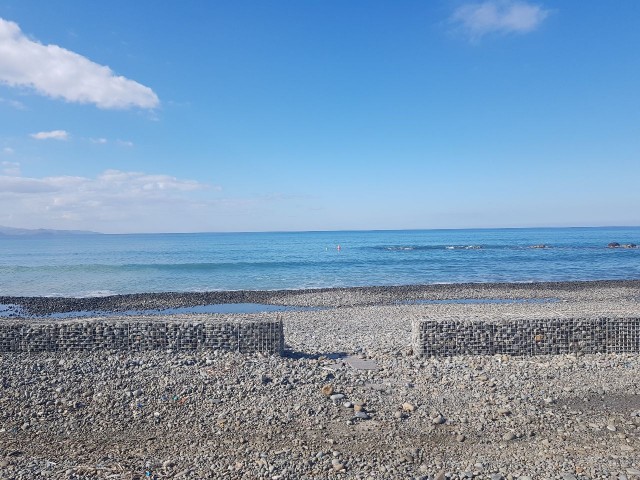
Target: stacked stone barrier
245, 336
444, 337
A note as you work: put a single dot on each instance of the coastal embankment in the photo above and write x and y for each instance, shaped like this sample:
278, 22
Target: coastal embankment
348, 398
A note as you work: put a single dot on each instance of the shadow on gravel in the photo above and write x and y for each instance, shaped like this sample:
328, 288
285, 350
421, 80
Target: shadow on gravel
296, 355
600, 403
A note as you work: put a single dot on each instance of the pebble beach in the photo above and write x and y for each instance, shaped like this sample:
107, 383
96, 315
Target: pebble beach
348, 399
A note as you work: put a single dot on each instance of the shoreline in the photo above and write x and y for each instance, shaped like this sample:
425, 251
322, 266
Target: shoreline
321, 297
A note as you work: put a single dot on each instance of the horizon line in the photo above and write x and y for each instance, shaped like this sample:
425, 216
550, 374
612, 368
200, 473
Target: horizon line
230, 232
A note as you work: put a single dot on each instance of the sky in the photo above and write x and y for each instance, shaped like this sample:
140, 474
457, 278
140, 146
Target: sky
292, 115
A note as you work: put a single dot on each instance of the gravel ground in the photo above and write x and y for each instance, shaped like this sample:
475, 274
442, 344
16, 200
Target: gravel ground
310, 414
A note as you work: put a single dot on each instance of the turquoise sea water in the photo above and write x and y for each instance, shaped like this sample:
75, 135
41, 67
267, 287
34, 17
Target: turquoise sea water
90, 265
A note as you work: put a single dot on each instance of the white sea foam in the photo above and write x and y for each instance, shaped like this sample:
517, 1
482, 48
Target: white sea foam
98, 293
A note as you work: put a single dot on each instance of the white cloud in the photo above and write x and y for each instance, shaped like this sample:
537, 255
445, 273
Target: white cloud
117, 201
10, 168
114, 200
125, 143
8, 151
498, 16
21, 185
13, 103
139, 183
99, 141
59, 73
53, 134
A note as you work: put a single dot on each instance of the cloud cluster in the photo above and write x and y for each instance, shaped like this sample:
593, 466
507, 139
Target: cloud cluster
113, 200
9, 168
59, 73
498, 16
109, 183
53, 134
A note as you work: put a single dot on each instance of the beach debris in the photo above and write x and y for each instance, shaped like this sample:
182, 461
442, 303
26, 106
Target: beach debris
359, 363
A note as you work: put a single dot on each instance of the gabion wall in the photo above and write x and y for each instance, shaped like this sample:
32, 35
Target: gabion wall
240, 336
525, 337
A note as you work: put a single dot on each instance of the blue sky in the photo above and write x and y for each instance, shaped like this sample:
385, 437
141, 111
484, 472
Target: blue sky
152, 116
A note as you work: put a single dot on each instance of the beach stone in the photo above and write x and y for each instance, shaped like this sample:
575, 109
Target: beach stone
441, 475
327, 390
408, 407
460, 438
438, 420
509, 436
336, 397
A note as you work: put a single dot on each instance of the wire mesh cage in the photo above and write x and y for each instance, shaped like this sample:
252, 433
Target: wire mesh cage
246, 336
524, 337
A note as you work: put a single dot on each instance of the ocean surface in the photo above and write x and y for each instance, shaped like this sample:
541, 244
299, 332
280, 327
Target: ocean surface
94, 265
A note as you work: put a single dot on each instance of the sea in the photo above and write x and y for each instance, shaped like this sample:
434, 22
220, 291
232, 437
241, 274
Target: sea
98, 265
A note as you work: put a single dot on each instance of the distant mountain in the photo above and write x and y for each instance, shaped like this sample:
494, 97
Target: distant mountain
42, 231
